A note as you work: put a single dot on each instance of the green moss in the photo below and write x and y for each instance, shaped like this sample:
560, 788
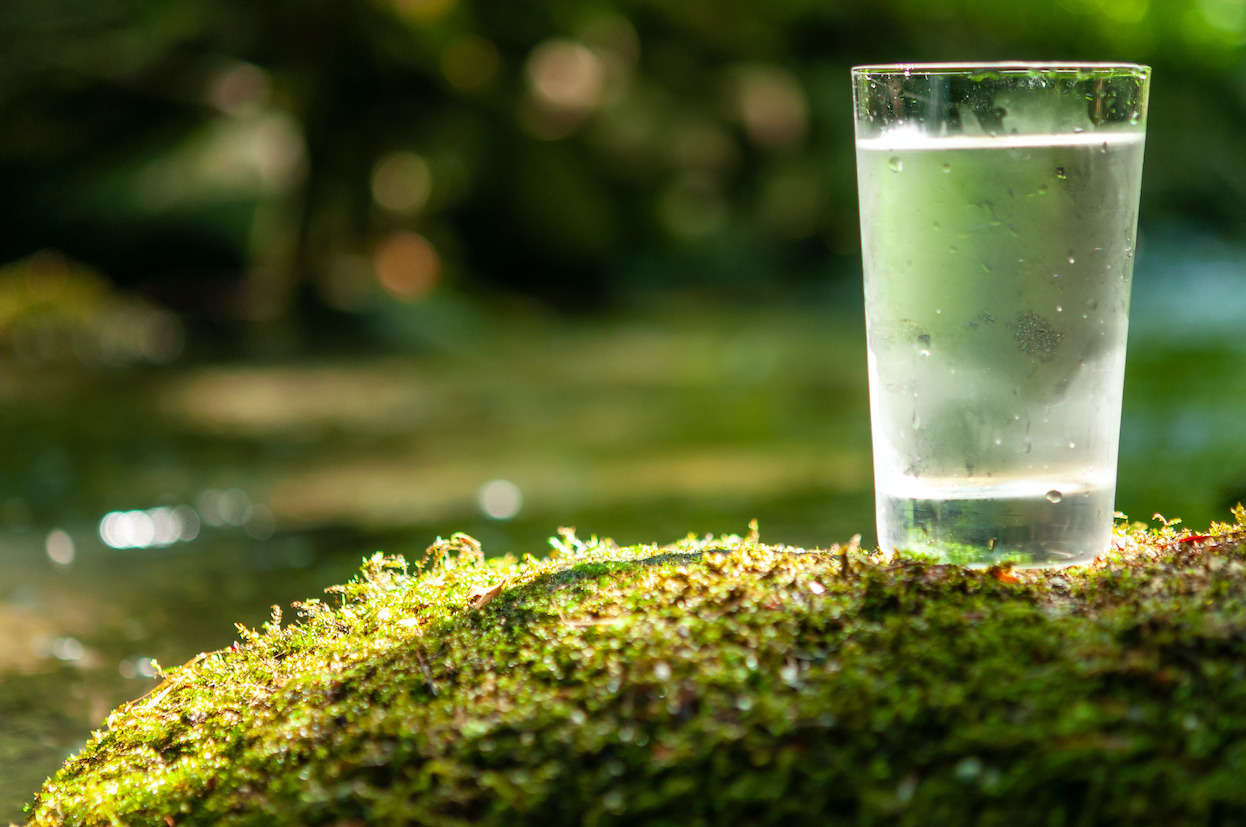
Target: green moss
716, 680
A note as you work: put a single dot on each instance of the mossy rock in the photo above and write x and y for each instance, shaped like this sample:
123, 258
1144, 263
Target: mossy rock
713, 681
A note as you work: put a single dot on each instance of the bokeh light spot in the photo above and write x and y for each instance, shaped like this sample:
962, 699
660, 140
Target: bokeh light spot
407, 265
154, 528
59, 547
771, 106
67, 649
566, 76
401, 182
500, 499
240, 89
1226, 17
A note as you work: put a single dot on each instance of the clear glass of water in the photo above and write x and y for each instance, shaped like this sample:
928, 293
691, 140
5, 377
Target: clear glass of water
999, 209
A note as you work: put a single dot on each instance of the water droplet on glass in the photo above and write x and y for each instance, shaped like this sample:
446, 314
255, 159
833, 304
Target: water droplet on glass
951, 248
936, 225
1054, 496
1042, 189
947, 167
895, 163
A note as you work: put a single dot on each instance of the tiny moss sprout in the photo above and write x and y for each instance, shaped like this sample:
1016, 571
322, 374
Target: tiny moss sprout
714, 680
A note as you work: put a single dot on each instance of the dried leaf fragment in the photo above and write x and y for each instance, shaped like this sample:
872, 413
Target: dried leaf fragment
481, 597
1003, 574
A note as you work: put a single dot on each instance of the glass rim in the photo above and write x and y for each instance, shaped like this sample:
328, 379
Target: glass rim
1009, 67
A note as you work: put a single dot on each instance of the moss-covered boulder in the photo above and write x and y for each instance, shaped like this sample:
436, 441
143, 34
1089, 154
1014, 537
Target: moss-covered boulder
713, 681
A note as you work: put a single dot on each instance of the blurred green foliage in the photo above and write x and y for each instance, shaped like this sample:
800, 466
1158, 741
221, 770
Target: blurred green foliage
243, 159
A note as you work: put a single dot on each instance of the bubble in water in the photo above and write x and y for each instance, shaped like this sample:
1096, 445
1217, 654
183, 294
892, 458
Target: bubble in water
1059, 309
895, 163
999, 441
1054, 496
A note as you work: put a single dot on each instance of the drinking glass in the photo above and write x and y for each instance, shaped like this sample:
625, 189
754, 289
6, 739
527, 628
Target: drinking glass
999, 207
